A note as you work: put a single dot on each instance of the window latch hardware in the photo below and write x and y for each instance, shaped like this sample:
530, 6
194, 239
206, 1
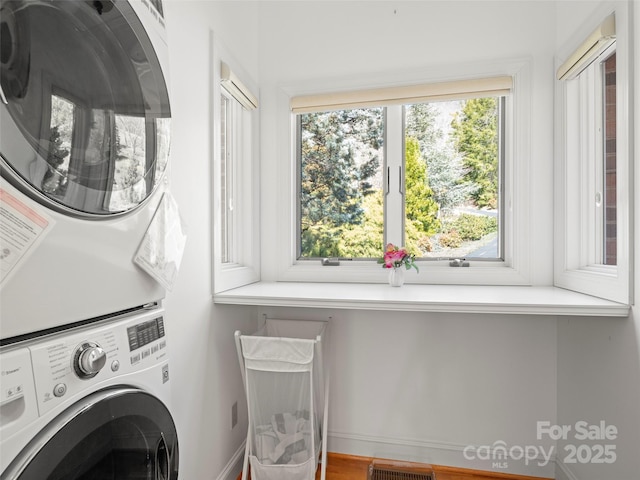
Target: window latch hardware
330, 262
458, 262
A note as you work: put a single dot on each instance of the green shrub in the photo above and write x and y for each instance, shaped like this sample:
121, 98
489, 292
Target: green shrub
451, 239
473, 227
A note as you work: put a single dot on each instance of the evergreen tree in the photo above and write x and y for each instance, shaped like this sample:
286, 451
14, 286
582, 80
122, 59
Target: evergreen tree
367, 239
476, 132
57, 151
55, 180
421, 125
446, 179
419, 203
339, 162
444, 166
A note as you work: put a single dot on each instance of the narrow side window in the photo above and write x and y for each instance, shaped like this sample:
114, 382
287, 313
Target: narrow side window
593, 220
235, 193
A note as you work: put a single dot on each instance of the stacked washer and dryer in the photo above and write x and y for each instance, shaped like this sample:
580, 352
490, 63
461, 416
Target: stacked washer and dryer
84, 147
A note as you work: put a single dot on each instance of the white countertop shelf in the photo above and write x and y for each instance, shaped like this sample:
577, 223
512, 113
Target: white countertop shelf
521, 300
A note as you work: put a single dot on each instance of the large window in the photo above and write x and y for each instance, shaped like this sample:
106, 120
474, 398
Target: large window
425, 174
438, 164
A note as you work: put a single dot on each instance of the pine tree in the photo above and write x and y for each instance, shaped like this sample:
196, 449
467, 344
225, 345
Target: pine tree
339, 162
476, 132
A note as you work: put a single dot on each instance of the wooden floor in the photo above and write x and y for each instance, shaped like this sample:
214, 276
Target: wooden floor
349, 467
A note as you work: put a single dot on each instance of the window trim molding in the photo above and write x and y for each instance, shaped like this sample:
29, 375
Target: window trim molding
247, 270
570, 270
516, 267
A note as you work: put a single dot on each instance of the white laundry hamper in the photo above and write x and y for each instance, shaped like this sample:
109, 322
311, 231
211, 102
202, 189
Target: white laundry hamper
286, 381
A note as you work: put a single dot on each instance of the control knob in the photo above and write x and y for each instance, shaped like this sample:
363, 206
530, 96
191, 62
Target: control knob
89, 360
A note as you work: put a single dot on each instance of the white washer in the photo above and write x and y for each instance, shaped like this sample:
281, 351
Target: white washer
92, 402
85, 116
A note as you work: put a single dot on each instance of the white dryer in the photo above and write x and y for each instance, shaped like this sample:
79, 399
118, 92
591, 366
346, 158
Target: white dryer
84, 144
92, 402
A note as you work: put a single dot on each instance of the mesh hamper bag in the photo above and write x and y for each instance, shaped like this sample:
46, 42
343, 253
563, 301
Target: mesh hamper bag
283, 372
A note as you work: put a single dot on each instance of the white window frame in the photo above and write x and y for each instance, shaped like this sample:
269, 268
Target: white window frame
516, 267
578, 155
245, 267
230, 224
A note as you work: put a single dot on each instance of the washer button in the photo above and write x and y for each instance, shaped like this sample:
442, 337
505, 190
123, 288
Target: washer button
59, 390
115, 366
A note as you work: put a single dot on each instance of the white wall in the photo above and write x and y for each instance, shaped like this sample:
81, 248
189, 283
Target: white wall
599, 358
422, 386
204, 369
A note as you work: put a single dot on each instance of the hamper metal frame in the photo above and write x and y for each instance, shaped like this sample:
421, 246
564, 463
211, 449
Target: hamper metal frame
319, 344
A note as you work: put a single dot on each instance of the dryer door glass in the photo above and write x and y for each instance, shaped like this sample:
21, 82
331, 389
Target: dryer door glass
85, 109
113, 434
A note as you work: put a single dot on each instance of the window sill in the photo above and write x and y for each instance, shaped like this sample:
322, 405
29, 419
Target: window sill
424, 298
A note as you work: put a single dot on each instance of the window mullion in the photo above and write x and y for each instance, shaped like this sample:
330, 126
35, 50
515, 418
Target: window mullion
235, 205
225, 156
394, 181
598, 250
591, 167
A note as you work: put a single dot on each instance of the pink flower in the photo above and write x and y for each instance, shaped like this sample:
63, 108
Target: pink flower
395, 257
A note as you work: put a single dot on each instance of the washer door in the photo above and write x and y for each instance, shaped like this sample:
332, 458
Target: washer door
121, 433
84, 105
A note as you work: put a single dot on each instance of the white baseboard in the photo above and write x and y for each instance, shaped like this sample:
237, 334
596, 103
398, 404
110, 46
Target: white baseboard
437, 453
234, 466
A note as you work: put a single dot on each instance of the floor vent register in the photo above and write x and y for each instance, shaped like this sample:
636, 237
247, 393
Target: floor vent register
400, 471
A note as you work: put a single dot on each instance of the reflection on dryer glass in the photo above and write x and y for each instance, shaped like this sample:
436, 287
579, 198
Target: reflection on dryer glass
87, 99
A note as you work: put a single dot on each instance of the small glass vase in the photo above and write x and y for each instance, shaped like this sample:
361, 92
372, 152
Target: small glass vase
396, 276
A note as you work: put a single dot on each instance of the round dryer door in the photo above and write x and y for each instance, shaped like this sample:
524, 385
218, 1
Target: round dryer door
84, 104
112, 434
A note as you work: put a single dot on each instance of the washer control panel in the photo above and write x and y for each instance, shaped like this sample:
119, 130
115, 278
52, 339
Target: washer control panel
146, 338
68, 363
88, 360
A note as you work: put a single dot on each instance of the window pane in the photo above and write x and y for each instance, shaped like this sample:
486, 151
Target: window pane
452, 164
340, 190
610, 218
129, 185
60, 138
163, 140
226, 180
